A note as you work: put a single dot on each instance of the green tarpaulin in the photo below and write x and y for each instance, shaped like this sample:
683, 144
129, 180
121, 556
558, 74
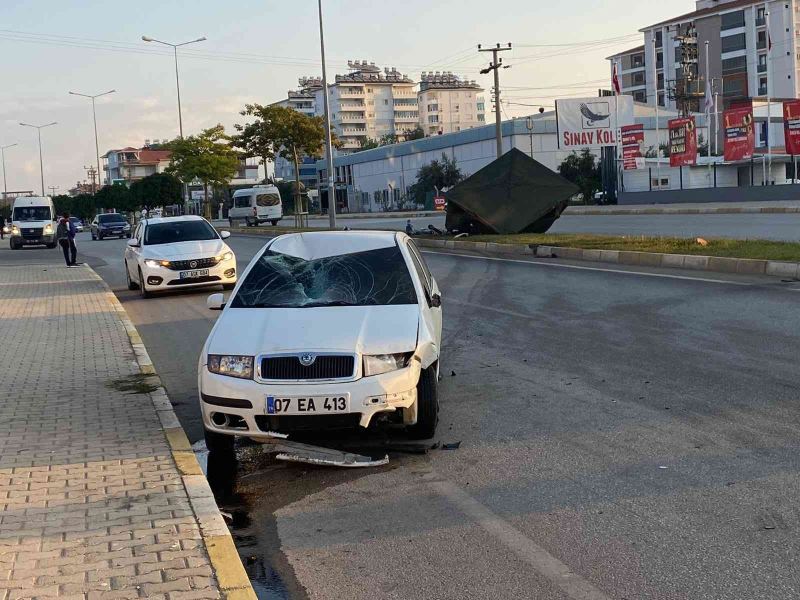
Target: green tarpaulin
513, 194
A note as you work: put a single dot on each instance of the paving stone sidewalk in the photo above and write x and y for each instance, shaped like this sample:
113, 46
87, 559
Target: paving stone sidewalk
92, 504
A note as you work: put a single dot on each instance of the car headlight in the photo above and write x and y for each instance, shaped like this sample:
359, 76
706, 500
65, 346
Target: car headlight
152, 262
384, 363
15, 230
127, 227
48, 228
232, 366
224, 257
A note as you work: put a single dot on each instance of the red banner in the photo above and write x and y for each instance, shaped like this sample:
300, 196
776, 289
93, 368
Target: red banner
740, 137
632, 146
791, 126
682, 142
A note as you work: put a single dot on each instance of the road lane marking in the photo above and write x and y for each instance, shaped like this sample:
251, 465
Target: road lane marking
544, 563
601, 269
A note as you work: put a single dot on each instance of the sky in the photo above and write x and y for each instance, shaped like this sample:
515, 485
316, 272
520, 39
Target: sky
255, 52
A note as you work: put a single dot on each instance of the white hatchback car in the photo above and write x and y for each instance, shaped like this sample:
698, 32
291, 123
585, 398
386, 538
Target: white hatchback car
178, 252
325, 330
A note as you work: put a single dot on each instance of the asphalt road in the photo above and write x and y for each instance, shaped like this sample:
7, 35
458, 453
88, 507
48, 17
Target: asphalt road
783, 227
624, 434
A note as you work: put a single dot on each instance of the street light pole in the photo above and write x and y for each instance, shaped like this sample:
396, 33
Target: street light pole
177, 79
3, 155
38, 129
328, 142
94, 117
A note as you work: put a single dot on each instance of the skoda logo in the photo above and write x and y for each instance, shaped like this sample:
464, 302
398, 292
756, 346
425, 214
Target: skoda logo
193, 264
307, 359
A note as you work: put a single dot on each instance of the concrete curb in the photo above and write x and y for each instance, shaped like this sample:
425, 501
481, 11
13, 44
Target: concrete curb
693, 262
232, 579
581, 212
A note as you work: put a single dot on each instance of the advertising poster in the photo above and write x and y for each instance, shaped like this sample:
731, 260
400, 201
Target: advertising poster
592, 122
633, 147
740, 137
791, 126
682, 142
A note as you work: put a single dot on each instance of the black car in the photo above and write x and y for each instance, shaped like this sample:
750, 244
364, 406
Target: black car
110, 225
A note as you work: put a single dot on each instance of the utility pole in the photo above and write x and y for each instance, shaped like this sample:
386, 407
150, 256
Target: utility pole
52, 189
3, 155
92, 173
328, 143
495, 66
658, 117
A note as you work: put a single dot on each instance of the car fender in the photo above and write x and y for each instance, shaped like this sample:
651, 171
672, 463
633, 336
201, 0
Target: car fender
427, 346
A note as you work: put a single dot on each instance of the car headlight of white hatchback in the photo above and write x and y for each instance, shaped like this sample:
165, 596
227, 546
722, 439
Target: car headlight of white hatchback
384, 363
232, 366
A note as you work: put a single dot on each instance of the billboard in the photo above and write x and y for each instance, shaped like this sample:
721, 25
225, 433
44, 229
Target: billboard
791, 126
632, 147
682, 142
740, 138
592, 122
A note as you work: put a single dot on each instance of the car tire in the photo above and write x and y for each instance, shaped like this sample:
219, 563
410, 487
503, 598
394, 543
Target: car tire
51, 246
100, 236
220, 444
427, 406
14, 245
94, 239
142, 286
131, 284
274, 222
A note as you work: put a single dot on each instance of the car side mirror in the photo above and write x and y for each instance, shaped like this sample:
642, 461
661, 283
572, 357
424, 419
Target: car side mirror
215, 301
436, 301
224, 234
133, 243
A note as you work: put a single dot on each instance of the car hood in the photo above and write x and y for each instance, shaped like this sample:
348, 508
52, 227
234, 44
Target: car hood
198, 249
360, 329
35, 224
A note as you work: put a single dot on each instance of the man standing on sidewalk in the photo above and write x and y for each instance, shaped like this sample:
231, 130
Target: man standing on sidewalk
65, 234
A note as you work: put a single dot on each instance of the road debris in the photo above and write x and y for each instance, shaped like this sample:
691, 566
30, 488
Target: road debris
453, 446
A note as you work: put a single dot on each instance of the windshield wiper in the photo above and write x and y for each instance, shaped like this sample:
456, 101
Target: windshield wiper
331, 303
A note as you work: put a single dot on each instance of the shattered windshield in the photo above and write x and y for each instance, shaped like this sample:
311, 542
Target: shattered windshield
371, 278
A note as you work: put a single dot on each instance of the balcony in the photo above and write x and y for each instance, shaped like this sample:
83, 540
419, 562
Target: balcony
762, 68
355, 106
762, 90
761, 44
353, 118
354, 131
761, 21
351, 94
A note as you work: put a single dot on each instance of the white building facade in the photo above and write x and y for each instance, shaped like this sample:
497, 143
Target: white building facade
448, 104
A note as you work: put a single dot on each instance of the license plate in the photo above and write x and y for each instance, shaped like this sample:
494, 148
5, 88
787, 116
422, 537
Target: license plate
277, 405
194, 274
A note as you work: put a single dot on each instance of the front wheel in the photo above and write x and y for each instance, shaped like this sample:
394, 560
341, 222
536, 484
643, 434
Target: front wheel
100, 236
15, 245
220, 444
131, 284
51, 246
274, 222
142, 286
427, 406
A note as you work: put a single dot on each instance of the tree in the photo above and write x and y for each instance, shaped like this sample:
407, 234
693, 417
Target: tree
413, 134
368, 143
116, 196
158, 189
281, 131
207, 157
584, 171
436, 176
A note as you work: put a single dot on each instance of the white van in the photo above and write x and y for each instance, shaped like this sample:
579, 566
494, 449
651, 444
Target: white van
33, 222
256, 205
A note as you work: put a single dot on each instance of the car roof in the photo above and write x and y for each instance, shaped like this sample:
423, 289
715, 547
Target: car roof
156, 220
320, 244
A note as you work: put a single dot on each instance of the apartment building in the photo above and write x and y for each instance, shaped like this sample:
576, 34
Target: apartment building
740, 65
131, 164
448, 104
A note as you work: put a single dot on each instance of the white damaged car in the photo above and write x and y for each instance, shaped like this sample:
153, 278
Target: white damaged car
324, 330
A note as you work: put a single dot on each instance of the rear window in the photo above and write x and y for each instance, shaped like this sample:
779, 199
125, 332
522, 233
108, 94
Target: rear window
31, 213
178, 231
111, 218
268, 199
371, 278
241, 201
